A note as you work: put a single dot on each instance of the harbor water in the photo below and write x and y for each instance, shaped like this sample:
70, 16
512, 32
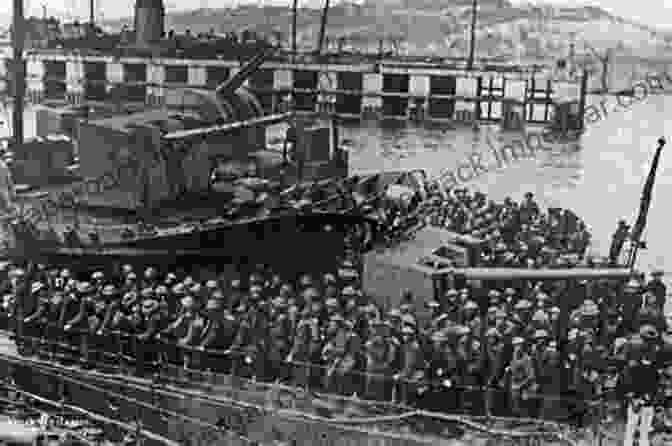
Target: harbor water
600, 178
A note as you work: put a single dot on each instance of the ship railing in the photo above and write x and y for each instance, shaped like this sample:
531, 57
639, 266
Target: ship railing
241, 375
237, 417
399, 422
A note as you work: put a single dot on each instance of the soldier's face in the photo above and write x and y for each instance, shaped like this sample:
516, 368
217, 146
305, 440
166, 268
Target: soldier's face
332, 328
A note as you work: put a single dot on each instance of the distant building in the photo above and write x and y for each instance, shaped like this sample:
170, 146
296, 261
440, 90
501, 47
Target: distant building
74, 30
39, 31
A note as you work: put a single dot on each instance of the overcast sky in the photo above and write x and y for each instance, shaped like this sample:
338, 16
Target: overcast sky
650, 12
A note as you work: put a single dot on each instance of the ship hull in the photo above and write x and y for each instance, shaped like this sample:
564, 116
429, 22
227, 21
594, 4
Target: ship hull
286, 240
187, 414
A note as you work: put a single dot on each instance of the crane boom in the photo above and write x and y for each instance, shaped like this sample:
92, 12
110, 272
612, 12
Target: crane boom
323, 27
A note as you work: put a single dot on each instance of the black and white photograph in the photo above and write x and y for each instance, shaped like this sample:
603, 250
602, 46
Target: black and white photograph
335, 223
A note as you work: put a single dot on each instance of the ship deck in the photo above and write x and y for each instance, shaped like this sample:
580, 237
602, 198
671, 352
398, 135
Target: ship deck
198, 389
170, 219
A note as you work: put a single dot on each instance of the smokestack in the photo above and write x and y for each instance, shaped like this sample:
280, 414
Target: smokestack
149, 21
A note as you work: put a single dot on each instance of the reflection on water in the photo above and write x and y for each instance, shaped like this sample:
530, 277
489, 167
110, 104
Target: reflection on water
600, 179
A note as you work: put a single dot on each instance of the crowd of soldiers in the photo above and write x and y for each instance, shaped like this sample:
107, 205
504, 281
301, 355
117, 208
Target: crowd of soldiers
517, 234
539, 349
514, 234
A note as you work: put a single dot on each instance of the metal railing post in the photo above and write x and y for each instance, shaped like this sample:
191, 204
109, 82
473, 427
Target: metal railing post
84, 348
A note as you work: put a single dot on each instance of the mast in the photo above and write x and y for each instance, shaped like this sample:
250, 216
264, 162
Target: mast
295, 7
18, 38
323, 27
645, 204
472, 44
92, 18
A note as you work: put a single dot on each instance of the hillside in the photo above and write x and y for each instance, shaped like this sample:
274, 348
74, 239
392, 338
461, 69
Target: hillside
440, 27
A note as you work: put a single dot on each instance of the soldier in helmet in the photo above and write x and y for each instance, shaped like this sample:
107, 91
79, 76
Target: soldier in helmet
236, 295
550, 381
348, 376
77, 325
54, 326
474, 378
521, 370
62, 279
279, 340
412, 370
299, 355
35, 322
110, 294
130, 282
656, 287
380, 355
97, 280
93, 325
179, 327
444, 371
631, 302
334, 349
150, 278
146, 347
192, 338
498, 355
640, 384
219, 332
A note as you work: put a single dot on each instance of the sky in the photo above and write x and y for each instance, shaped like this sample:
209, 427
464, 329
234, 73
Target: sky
650, 12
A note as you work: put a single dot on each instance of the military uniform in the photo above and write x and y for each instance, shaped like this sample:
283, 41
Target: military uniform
412, 367
35, 322
348, 375
278, 348
498, 356
300, 354
146, 346
333, 351
379, 357
193, 337
658, 289
78, 325
219, 334
473, 380
522, 381
445, 368
96, 343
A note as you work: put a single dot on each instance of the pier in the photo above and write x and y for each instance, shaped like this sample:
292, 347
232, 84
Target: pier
355, 88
